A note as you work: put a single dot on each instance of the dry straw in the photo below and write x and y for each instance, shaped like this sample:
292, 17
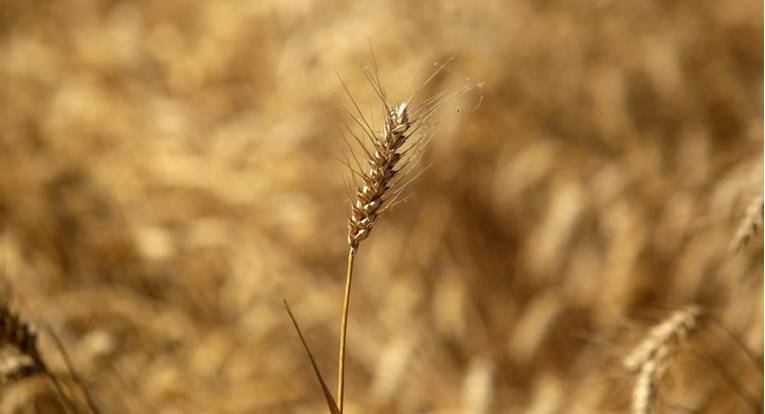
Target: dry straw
381, 162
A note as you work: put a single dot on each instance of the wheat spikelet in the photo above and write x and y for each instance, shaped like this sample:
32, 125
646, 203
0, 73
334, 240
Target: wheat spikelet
662, 340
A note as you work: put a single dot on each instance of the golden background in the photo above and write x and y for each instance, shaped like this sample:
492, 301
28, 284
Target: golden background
169, 174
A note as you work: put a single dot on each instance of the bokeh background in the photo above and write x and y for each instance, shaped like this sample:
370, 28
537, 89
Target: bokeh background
169, 174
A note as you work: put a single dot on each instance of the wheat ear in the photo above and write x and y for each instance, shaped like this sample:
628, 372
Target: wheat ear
749, 225
17, 333
13, 331
646, 387
389, 155
663, 339
651, 356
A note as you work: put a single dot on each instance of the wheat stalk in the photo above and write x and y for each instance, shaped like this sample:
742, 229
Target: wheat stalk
17, 333
379, 178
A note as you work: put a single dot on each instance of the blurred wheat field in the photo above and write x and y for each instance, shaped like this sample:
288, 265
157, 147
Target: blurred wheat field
168, 175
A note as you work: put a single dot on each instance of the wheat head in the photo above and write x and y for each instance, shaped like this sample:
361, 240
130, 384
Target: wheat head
749, 225
16, 333
651, 357
663, 339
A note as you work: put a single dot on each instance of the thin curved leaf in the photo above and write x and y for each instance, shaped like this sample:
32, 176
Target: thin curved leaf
327, 395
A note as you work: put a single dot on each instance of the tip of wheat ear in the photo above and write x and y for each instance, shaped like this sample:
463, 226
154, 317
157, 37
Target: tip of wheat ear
749, 225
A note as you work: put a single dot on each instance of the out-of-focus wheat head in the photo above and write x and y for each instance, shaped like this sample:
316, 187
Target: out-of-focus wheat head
652, 355
17, 334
